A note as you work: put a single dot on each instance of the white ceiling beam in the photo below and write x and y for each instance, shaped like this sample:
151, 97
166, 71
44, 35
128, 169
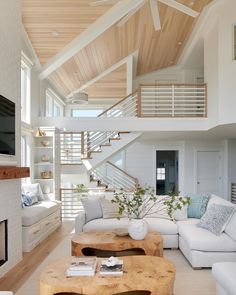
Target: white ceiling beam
129, 15
103, 74
90, 34
155, 14
102, 2
183, 8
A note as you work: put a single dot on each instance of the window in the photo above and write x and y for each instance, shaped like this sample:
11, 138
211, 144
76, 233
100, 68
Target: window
161, 173
234, 42
54, 105
25, 89
86, 112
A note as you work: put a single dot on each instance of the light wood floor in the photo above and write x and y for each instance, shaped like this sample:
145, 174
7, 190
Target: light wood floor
17, 276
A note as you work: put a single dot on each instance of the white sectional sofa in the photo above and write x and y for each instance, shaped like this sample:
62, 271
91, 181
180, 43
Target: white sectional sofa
201, 247
224, 274
39, 220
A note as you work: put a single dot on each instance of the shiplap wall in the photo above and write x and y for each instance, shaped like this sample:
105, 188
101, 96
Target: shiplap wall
10, 58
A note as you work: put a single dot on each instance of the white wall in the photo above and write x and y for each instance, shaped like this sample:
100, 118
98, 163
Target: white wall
220, 69
10, 57
140, 160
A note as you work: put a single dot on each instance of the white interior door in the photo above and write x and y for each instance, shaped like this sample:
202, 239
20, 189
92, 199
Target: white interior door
209, 172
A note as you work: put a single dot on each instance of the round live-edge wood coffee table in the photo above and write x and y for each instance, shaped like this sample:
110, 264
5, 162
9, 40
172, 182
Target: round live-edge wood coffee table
108, 241
146, 273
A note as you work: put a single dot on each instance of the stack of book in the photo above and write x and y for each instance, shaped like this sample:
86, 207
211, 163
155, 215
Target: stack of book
82, 266
114, 270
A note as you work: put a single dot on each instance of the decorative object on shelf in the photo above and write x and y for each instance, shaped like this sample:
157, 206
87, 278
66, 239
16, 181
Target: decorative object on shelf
40, 133
45, 143
142, 203
45, 158
46, 174
46, 189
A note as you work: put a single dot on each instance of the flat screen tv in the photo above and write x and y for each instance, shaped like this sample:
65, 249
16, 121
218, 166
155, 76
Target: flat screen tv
7, 126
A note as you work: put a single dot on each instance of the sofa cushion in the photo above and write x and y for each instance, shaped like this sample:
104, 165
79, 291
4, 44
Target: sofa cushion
197, 206
35, 213
216, 218
203, 240
224, 274
162, 226
102, 224
92, 207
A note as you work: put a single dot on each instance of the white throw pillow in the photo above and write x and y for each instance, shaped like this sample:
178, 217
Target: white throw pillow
181, 214
109, 209
92, 207
158, 209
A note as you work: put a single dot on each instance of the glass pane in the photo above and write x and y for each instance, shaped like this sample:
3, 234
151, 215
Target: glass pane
86, 113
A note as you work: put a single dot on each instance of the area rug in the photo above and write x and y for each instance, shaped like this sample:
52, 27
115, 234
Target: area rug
188, 281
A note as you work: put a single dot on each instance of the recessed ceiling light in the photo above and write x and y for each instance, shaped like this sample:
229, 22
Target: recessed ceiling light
191, 3
55, 34
179, 43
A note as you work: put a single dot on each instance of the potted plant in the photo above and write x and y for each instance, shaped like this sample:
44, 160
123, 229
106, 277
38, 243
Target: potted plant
81, 189
143, 202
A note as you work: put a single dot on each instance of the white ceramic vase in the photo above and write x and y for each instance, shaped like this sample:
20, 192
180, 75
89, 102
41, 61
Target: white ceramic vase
138, 229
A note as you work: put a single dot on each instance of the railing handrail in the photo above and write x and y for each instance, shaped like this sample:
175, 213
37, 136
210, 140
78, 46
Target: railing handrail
173, 84
114, 105
124, 172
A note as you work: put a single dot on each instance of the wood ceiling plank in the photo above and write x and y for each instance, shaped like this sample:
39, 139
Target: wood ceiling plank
157, 49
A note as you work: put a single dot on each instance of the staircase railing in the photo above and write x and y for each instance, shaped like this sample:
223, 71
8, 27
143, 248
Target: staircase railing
114, 177
162, 100
70, 148
92, 141
127, 107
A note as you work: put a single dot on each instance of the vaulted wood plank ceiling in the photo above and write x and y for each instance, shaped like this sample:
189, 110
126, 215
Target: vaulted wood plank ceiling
157, 49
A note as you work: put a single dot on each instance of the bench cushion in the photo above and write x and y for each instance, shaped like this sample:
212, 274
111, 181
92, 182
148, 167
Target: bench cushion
36, 212
203, 240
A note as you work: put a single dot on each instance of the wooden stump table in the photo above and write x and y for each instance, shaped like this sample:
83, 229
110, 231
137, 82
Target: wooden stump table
108, 241
146, 273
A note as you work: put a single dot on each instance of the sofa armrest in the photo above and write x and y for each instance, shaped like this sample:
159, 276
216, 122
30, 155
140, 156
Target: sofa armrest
80, 221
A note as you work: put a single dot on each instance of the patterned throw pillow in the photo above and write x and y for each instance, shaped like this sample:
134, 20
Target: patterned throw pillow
28, 199
197, 206
216, 218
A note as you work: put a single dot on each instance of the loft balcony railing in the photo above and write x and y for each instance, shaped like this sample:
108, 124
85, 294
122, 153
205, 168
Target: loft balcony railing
162, 101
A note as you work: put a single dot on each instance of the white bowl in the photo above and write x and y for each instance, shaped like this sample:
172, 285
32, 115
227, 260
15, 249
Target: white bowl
45, 142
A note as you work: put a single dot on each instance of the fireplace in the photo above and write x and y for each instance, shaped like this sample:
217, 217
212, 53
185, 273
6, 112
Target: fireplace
3, 242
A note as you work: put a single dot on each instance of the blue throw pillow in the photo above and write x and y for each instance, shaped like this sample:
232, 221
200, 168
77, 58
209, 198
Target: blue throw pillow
28, 199
198, 205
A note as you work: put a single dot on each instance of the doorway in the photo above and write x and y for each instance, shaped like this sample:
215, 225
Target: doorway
209, 172
167, 178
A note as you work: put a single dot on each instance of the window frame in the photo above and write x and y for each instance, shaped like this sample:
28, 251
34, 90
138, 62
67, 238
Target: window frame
53, 102
26, 66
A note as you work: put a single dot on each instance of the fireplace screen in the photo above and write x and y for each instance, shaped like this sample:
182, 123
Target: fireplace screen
3, 242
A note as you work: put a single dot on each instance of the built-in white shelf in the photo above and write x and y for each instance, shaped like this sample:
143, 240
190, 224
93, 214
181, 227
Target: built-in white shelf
43, 164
